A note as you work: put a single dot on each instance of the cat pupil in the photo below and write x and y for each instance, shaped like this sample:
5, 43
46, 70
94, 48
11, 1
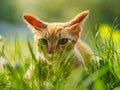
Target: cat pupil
63, 41
43, 41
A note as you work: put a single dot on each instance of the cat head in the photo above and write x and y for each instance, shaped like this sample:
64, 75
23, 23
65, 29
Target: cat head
55, 36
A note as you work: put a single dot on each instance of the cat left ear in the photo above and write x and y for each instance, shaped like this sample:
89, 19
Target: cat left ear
34, 22
75, 23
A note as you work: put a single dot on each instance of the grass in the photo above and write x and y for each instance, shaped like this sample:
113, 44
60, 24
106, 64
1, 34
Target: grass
106, 46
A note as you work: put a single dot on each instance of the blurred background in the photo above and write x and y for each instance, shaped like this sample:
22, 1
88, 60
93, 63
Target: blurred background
11, 11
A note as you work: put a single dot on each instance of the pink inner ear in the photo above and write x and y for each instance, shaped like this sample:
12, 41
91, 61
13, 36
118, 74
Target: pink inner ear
33, 21
74, 24
76, 28
36, 23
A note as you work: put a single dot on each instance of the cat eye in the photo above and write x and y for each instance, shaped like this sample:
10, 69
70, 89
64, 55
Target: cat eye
43, 42
63, 41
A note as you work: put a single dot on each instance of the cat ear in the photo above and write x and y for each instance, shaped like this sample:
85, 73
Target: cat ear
34, 22
75, 23
75, 29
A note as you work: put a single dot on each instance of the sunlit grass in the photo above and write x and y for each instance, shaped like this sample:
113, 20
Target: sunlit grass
116, 37
107, 32
105, 77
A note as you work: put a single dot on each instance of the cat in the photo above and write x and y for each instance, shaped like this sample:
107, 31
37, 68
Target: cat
55, 36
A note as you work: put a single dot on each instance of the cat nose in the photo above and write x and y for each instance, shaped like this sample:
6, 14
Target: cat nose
50, 50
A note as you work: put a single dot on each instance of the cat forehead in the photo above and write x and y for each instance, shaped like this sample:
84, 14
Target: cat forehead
54, 28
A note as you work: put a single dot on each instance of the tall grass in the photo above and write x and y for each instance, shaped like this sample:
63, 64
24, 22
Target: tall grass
106, 46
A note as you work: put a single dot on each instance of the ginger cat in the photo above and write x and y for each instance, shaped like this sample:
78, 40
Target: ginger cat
55, 36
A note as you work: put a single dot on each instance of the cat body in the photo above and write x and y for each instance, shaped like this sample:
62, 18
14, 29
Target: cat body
56, 36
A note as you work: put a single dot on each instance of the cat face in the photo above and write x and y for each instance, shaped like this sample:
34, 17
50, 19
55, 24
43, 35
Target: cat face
49, 37
55, 36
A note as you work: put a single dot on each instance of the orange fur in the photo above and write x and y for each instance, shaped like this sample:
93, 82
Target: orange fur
52, 33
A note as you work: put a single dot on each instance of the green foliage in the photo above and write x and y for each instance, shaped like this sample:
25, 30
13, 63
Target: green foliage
60, 10
64, 77
8, 11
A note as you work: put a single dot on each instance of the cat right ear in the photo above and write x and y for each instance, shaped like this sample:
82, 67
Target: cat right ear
75, 23
34, 22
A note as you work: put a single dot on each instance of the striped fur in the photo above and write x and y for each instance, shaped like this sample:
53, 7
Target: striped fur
53, 32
